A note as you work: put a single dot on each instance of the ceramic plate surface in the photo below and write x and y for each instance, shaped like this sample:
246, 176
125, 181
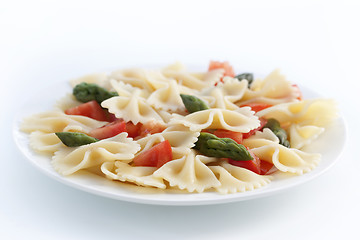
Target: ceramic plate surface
330, 144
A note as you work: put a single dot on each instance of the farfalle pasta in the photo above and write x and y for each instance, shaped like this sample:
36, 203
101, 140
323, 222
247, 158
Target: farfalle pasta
171, 128
68, 160
132, 108
241, 120
57, 121
189, 172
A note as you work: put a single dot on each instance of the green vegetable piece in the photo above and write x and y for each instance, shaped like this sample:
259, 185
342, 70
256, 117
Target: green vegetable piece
247, 76
281, 134
212, 146
273, 124
85, 92
192, 103
75, 139
286, 143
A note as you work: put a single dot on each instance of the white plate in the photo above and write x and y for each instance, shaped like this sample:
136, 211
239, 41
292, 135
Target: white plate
330, 144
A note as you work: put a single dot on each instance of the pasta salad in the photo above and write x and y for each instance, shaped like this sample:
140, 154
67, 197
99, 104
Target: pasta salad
172, 128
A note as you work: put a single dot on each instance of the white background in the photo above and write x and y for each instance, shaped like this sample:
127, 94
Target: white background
315, 43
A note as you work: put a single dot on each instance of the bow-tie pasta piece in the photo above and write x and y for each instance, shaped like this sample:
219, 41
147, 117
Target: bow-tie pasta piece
69, 160
189, 172
266, 134
179, 137
224, 95
136, 77
132, 108
213, 76
301, 136
241, 120
165, 115
274, 89
142, 176
44, 142
126, 90
236, 179
187, 79
167, 98
57, 121
285, 159
157, 80
316, 112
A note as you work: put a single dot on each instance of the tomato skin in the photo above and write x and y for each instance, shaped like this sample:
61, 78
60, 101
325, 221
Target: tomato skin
265, 167
133, 130
229, 71
151, 127
141, 130
111, 117
156, 156
91, 109
109, 130
263, 121
165, 154
256, 165
222, 133
252, 165
256, 107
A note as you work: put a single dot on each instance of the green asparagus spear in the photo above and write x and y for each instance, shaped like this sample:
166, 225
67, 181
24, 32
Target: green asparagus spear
272, 124
212, 146
75, 139
85, 92
192, 103
275, 127
247, 76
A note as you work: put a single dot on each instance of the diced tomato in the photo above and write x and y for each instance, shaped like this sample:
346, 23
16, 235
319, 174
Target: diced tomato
256, 107
110, 116
265, 167
133, 130
300, 97
252, 165
229, 71
209, 130
156, 156
263, 121
151, 127
222, 133
142, 130
109, 130
90, 109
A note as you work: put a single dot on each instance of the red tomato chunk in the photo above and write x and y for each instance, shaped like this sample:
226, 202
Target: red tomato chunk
109, 130
263, 121
133, 130
265, 167
256, 165
252, 165
256, 107
222, 133
141, 130
90, 109
156, 156
151, 127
